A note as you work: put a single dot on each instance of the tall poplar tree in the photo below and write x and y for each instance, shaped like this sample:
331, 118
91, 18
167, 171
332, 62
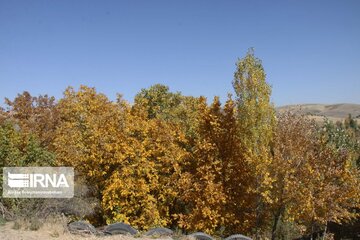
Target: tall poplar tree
256, 117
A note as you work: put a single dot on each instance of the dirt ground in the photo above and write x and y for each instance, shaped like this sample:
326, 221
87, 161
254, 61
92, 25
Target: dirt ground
53, 230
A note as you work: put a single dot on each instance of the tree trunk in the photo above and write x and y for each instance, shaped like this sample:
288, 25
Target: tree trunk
274, 227
276, 222
324, 234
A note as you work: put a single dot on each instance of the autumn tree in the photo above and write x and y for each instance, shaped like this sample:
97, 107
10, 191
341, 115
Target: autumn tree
89, 136
237, 175
338, 184
131, 159
35, 115
293, 145
201, 184
315, 180
216, 178
342, 136
142, 189
256, 118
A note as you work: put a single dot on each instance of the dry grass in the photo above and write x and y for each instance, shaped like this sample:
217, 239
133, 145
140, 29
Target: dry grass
54, 228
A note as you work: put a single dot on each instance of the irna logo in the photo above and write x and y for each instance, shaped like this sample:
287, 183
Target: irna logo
38, 182
19, 180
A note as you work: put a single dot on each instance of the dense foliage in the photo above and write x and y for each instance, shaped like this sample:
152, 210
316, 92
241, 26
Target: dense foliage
177, 161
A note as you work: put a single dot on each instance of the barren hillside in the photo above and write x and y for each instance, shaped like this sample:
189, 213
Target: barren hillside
335, 112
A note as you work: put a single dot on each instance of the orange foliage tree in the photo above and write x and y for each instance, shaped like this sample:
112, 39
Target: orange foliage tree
314, 182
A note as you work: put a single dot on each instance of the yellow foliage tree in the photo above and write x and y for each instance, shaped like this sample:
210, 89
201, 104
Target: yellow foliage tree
132, 160
143, 187
216, 178
201, 183
90, 135
237, 174
256, 119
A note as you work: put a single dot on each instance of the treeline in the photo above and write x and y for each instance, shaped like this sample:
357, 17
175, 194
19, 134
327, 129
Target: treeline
177, 161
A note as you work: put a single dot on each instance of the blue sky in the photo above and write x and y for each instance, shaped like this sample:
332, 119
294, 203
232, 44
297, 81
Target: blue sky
310, 49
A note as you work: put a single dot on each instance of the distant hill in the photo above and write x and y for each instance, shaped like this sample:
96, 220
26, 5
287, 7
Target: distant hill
334, 112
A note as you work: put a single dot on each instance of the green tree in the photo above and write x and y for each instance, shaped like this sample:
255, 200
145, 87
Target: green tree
19, 149
158, 101
3, 115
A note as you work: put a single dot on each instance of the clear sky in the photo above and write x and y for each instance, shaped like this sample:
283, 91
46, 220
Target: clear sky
310, 49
